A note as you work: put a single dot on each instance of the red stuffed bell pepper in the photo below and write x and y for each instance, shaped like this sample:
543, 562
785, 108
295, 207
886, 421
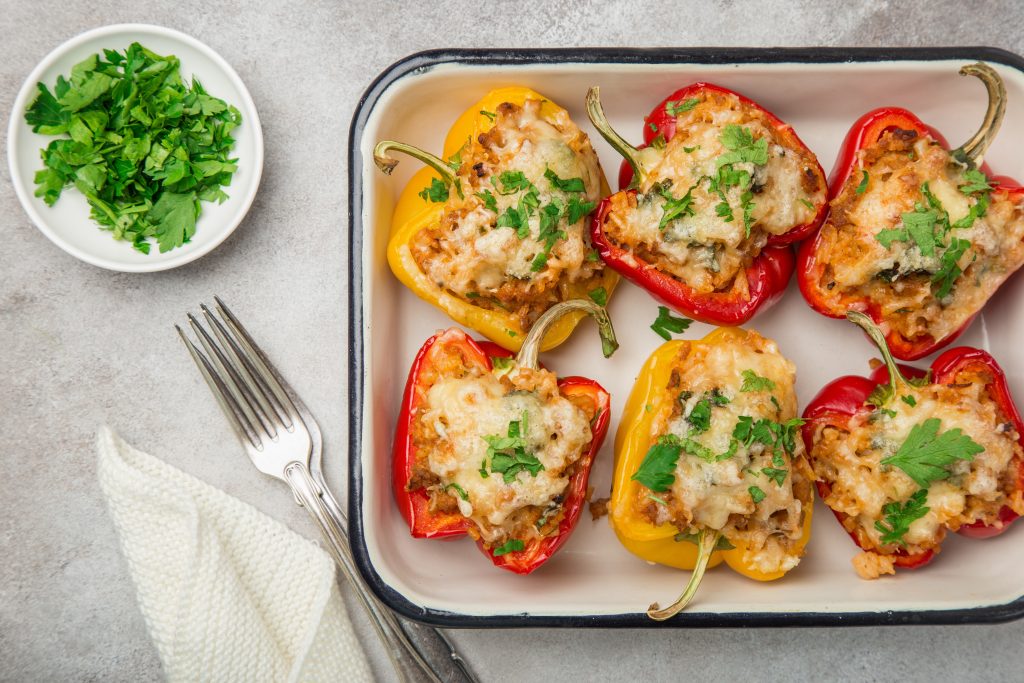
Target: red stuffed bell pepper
904, 455
496, 447
716, 197
918, 237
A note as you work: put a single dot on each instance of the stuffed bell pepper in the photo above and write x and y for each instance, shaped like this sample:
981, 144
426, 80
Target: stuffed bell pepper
919, 237
715, 198
498, 231
497, 447
709, 465
904, 456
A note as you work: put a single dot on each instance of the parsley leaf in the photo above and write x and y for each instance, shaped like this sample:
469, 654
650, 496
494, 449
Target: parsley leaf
889, 235
775, 474
666, 324
437, 192
508, 454
862, 188
920, 226
949, 267
459, 490
599, 296
657, 470
677, 108
564, 184
909, 400
743, 146
756, 494
577, 209
925, 454
513, 181
674, 208
511, 546
755, 382
489, 200
898, 518
489, 114
976, 181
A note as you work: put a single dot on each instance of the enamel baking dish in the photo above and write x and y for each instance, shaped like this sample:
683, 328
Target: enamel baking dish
593, 580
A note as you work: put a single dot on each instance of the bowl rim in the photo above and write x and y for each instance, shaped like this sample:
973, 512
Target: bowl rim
358, 374
17, 126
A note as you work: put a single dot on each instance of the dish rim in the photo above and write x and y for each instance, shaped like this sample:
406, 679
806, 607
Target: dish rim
425, 60
22, 186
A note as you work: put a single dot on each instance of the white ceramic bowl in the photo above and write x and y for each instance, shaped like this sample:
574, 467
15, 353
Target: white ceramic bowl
67, 223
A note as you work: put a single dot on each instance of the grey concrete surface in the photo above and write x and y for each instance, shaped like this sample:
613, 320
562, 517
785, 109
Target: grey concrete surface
82, 346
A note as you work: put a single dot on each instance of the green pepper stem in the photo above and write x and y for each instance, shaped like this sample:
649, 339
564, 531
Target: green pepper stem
972, 151
864, 322
527, 357
630, 153
707, 541
387, 164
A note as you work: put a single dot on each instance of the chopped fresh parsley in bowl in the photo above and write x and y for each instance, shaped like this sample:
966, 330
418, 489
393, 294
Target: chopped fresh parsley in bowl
143, 147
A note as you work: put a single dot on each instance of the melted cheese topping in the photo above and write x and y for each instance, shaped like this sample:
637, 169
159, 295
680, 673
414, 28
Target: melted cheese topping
467, 254
898, 280
717, 495
460, 411
709, 251
849, 461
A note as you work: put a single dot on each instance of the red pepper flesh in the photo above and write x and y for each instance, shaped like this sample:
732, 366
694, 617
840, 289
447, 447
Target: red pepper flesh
767, 275
845, 397
415, 505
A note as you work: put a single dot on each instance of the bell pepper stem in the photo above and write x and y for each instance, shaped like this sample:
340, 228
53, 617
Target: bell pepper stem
387, 164
972, 152
597, 116
707, 541
865, 322
527, 357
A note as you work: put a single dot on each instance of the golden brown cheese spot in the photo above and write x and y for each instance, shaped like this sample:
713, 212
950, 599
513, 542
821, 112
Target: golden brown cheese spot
899, 280
709, 251
493, 267
716, 494
849, 461
459, 410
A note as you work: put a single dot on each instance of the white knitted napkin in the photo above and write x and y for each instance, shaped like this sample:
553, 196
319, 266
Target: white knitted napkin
228, 594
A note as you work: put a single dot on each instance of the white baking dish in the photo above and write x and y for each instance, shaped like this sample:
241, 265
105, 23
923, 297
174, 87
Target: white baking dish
593, 580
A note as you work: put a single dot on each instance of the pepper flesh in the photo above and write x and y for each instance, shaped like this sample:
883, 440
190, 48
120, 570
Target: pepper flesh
656, 543
415, 505
767, 274
866, 133
846, 397
413, 213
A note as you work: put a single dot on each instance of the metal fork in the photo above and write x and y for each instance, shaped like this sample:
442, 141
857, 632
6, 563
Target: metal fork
284, 441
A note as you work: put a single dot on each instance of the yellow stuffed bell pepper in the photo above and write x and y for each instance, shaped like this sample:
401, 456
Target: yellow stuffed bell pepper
709, 465
498, 230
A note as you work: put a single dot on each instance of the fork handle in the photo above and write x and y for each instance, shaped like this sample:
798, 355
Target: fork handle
407, 660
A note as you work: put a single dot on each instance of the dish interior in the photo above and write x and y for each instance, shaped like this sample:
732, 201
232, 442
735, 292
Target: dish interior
67, 222
593, 574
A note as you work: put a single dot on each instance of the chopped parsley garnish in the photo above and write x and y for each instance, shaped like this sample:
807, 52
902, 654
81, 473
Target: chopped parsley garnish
508, 454
599, 296
659, 141
909, 400
659, 501
925, 455
690, 150
666, 324
677, 108
756, 494
436, 192
949, 269
489, 114
511, 546
489, 200
755, 382
862, 188
144, 148
513, 181
500, 363
657, 471
675, 208
593, 255
577, 209
484, 474
775, 474
771, 434
898, 518
976, 181
459, 490
807, 203
743, 148
564, 184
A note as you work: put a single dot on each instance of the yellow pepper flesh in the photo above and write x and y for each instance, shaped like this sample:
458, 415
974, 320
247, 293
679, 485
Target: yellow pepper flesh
633, 439
414, 213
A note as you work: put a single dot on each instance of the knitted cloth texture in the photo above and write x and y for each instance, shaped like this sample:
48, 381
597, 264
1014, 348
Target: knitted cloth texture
227, 593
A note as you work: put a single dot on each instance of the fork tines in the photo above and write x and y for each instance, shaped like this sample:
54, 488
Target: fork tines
246, 386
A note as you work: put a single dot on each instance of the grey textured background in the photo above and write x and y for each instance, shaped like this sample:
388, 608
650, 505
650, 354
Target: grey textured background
82, 346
